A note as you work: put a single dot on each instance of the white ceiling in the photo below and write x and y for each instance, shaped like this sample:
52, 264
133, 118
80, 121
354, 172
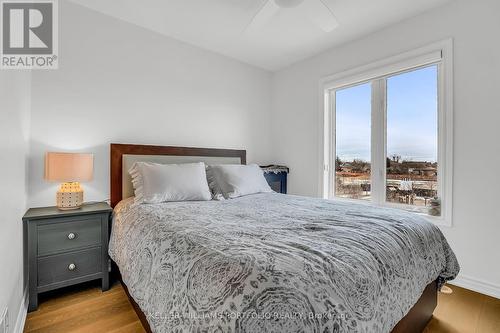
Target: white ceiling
220, 25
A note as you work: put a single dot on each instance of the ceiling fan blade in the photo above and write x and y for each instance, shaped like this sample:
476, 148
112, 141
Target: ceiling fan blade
320, 14
264, 15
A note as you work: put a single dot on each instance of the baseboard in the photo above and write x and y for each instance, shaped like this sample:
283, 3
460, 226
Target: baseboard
477, 285
21, 315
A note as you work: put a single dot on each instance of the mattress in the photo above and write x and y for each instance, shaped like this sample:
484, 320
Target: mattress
276, 263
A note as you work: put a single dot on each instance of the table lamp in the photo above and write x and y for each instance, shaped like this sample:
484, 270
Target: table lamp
70, 169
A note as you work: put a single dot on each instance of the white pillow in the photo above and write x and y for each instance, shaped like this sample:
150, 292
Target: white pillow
235, 180
154, 183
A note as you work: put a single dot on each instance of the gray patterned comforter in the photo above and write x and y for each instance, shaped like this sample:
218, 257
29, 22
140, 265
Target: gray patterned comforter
276, 263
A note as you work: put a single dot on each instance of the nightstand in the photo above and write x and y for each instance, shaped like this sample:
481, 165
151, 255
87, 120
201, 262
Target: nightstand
276, 176
63, 248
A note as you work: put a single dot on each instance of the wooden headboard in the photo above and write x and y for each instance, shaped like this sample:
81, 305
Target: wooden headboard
119, 150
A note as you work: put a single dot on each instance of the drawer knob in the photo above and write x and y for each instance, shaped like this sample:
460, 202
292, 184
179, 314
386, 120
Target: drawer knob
71, 267
71, 235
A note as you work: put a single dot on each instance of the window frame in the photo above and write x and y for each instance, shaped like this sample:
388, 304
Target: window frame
440, 54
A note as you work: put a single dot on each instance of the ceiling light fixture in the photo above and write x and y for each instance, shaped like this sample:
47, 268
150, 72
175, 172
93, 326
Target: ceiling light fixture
288, 3
316, 11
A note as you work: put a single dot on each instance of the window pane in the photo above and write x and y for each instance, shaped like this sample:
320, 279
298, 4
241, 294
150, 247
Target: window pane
352, 137
412, 139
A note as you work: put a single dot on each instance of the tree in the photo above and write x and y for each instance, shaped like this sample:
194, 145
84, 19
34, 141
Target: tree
396, 158
338, 164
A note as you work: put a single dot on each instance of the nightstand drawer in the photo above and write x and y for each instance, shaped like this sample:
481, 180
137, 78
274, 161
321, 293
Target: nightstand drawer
68, 235
62, 267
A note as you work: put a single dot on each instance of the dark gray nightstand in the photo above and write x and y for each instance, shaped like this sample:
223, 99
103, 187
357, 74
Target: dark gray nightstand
62, 248
276, 176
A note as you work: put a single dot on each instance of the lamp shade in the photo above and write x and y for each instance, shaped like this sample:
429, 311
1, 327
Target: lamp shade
69, 167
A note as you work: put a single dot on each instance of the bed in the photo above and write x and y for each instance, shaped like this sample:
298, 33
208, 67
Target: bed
271, 262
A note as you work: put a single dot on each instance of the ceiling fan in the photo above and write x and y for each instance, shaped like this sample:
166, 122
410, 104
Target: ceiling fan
317, 11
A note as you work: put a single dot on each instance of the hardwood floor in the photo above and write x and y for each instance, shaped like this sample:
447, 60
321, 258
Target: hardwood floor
465, 311
87, 309
84, 309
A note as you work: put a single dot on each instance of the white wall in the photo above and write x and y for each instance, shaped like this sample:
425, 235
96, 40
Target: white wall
121, 83
475, 26
14, 133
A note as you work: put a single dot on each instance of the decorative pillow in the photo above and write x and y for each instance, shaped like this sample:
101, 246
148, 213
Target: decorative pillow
136, 182
154, 183
235, 180
213, 185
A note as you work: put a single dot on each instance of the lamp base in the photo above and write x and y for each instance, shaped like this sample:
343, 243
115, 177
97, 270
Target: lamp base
69, 196
69, 208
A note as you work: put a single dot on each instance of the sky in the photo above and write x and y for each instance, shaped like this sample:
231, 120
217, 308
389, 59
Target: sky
411, 117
